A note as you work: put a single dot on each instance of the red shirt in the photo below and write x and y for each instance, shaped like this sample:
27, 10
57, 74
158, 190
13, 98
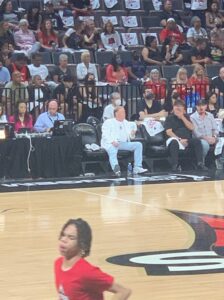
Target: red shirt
82, 282
171, 33
199, 86
120, 76
159, 89
47, 39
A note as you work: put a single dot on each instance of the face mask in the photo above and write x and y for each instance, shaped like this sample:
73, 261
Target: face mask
91, 82
149, 97
118, 102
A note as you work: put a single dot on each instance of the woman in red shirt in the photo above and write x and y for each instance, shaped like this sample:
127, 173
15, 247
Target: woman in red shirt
157, 85
199, 81
116, 72
76, 278
180, 83
21, 118
47, 36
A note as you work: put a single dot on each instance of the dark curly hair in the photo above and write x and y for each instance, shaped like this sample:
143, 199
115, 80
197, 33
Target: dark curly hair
84, 234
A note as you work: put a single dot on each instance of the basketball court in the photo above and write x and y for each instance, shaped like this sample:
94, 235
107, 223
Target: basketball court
164, 241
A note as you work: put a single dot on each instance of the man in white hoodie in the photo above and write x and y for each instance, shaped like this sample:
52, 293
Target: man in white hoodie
116, 135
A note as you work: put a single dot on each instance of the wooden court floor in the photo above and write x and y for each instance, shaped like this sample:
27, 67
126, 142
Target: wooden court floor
124, 219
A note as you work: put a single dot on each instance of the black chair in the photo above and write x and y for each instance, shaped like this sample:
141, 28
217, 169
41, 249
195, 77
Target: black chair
213, 70
150, 21
45, 57
104, 57
89, 136
170, 71
93, 121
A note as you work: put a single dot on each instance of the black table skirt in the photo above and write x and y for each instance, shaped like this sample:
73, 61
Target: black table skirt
50, 157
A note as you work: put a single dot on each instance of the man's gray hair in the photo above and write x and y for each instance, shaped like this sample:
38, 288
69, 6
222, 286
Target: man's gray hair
63, 56
114, 94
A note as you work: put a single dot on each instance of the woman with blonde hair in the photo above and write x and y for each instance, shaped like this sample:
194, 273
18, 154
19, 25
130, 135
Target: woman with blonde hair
86, 67
199, 81
156, 84
180, 83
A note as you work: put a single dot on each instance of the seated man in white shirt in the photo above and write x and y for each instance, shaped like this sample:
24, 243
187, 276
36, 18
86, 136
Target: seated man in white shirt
108, 112
45, 121
116, 135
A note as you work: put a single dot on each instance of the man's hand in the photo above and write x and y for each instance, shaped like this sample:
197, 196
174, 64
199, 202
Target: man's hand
179, 113
210, 139
184, 142
115, 143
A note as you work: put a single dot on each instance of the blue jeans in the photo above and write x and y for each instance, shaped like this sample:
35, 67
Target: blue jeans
205, 148
135, 147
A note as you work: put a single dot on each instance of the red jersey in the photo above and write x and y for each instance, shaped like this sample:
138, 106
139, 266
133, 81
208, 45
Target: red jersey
159, 89
82, 282
171, 33
199, 86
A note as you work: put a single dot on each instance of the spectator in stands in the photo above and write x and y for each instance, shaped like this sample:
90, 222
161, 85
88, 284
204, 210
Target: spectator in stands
67, 95
7, 14
171, 52
47, 37
180, 83
45, 121
86, 67
92, 39
198, 9
34, 17
217, 34
156, 84
39, 93
212, 105
115, 99
37, 68
91, 102
217, 83
216, 48
148, 107
20, 64
179, 133
212, 14
73, 37
116, 72
172, 97
3, 117
171, 30
200, 53
6, 35
196, 32
81, 8
168, 13
21, 118
199, 81
116, 135
150, 53
4, 74
14, 92
50, 14
25, 39
136, 69
62, 69
6, 52
110, 38
205, 127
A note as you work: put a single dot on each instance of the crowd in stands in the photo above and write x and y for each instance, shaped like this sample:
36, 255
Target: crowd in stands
66, 50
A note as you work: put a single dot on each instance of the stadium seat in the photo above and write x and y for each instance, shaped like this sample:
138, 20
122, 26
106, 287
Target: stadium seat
46, 58
213, 70
170, 72
103, 57
77, 56
152, 21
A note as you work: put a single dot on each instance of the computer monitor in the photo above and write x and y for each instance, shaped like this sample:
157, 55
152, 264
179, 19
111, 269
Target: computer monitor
6, 130
63, 127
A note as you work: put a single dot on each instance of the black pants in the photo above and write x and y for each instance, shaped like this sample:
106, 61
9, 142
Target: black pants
194, 146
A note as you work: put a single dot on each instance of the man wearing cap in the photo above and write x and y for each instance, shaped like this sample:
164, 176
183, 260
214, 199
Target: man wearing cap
171, 30
205, 127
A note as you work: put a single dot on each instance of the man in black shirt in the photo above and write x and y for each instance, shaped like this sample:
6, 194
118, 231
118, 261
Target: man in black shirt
168, 12
179, 127
217, 85
148, 107
200, 54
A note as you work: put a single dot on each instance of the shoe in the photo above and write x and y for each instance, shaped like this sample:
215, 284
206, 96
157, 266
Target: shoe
219, 163
176, 168
117, 171
202, 167
139, 170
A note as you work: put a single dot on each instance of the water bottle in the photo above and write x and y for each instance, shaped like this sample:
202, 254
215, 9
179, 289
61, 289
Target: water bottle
129, 169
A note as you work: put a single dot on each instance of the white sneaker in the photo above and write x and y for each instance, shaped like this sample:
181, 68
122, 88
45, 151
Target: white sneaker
139, 170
